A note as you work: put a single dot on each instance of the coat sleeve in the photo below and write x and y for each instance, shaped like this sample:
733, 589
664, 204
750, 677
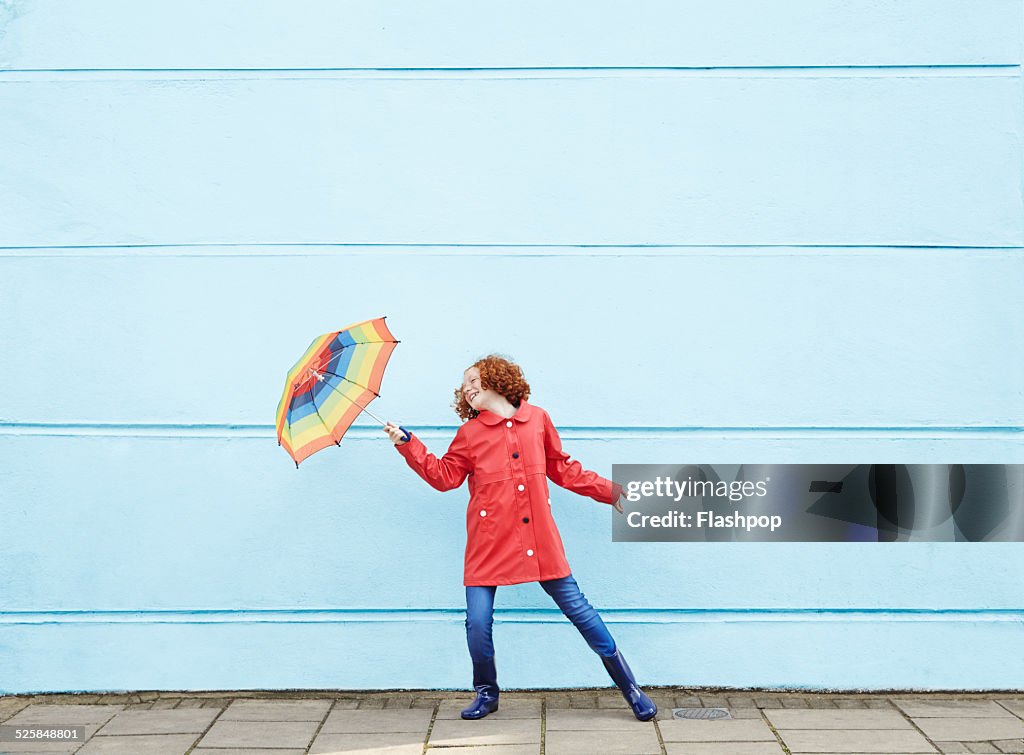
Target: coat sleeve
445, 473
570, 474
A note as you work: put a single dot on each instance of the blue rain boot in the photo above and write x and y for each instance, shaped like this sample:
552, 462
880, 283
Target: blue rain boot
643, 706
485, 682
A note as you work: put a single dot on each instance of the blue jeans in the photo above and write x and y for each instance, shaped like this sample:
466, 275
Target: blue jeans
565, 591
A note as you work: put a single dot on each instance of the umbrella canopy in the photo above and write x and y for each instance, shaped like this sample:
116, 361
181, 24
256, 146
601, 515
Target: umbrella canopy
335, 379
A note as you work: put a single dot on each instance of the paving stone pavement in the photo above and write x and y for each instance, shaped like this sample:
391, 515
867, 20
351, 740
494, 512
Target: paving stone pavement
537, 722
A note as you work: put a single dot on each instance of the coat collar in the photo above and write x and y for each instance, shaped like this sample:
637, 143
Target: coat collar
523, 414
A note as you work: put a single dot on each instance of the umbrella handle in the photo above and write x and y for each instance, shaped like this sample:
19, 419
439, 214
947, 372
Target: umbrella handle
407, 436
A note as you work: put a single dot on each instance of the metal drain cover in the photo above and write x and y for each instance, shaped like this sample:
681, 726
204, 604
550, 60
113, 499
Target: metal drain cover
707, 714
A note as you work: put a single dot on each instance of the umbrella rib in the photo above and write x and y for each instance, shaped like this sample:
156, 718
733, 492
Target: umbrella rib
312, 400
349, 398
345, 346
358, 385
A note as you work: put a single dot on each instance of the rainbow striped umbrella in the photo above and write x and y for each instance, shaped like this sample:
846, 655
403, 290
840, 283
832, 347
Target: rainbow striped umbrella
339, 374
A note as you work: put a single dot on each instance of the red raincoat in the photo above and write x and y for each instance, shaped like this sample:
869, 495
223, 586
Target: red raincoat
511, 535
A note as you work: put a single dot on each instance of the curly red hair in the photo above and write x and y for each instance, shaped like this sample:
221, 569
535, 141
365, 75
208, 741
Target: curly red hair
497, 374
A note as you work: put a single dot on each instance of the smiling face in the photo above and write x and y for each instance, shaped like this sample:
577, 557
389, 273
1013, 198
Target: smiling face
493, 383
473, 391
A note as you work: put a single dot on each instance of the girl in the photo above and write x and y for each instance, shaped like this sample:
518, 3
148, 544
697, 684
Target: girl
508, 449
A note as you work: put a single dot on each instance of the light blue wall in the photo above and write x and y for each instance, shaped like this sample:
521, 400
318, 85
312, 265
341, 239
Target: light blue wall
711, 233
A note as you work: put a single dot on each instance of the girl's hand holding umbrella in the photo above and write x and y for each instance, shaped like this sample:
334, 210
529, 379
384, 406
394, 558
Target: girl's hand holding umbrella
397, 435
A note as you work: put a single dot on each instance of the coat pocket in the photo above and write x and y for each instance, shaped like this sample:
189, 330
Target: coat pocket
486, 510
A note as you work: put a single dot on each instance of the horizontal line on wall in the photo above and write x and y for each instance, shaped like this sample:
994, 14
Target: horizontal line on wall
541, 72
374, 433
313, 249
512, 616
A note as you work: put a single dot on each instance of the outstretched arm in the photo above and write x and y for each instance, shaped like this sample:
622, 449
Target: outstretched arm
571, 475
445, 473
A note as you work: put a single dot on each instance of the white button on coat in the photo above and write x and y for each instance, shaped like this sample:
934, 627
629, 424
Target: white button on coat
508, 424
522, 487
529, 553
483, 513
